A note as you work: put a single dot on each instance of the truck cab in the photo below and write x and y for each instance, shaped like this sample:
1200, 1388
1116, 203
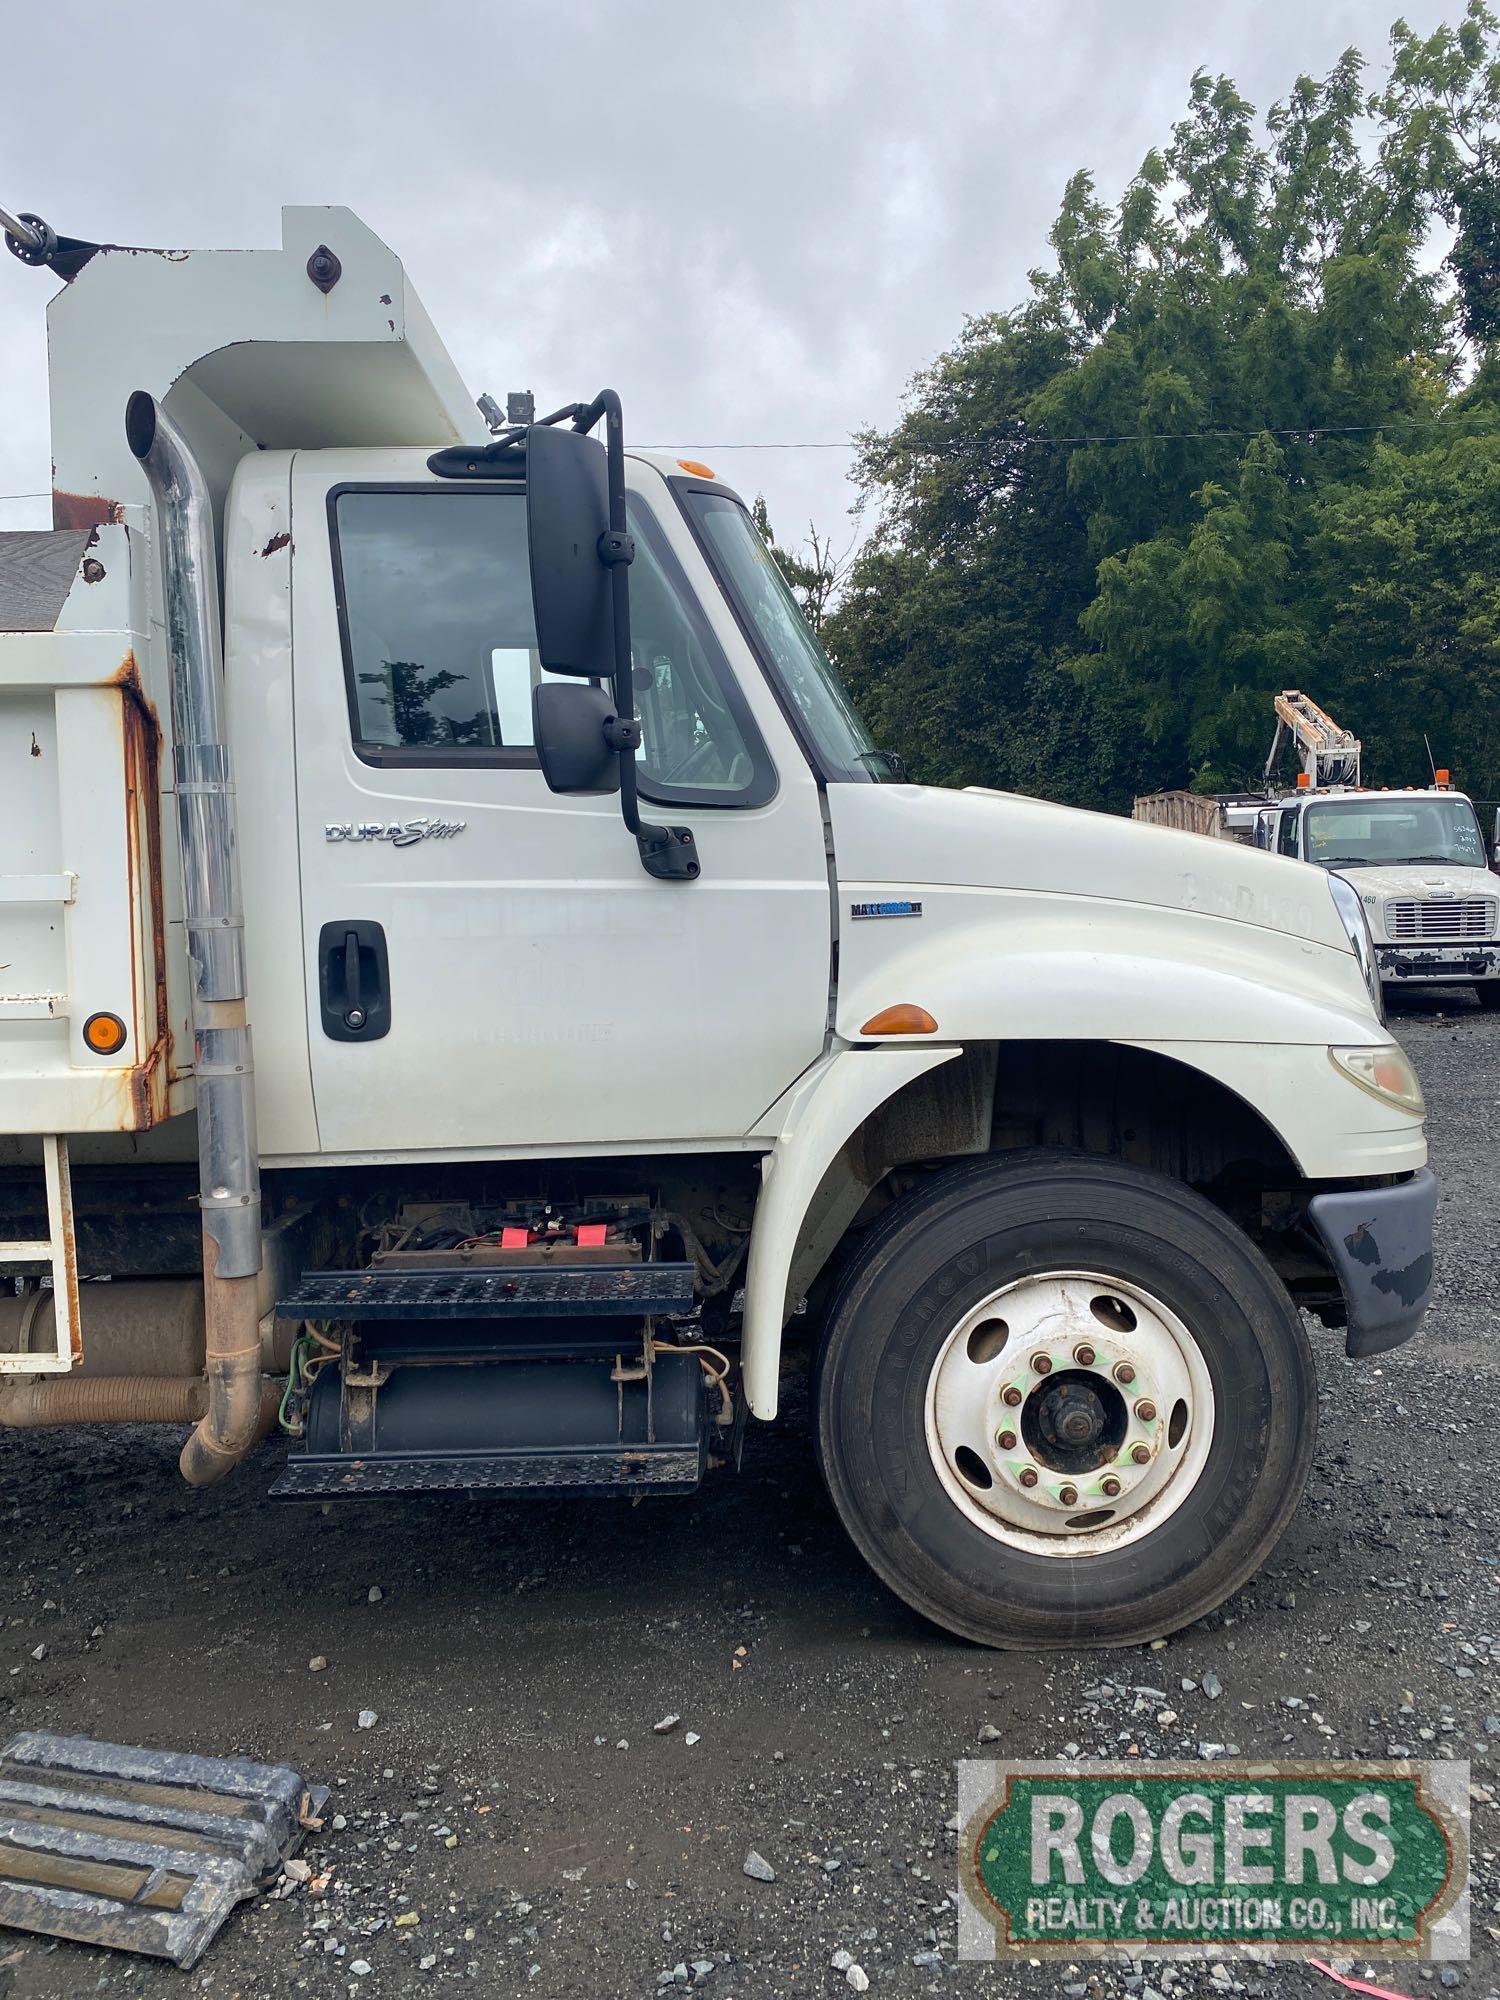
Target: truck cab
526, 1016
1418, 862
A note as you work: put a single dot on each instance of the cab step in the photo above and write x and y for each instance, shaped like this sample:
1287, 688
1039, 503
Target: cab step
559, 1292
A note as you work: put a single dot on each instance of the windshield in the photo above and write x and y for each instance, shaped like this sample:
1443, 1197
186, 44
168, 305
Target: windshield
1394, 833
785, 641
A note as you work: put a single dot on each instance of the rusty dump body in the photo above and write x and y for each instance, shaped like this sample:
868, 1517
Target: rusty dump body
84, 876
123, 981
319, 341
1189, 812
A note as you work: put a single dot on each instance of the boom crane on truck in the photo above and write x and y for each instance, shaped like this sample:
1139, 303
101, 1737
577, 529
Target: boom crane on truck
1329, 755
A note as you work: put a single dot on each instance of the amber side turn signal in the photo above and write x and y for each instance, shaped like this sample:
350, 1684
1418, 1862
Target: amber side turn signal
903, 1019
104, 1033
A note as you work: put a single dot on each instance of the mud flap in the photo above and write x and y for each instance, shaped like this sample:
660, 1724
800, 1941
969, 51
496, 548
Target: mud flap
141, 1850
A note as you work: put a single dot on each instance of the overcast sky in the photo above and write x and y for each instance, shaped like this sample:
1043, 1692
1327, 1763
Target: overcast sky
754, 220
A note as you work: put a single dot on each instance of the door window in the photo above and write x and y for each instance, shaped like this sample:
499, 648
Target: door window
1286, 839
434, 592
435, 600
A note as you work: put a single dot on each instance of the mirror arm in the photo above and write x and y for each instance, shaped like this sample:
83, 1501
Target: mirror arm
668, 852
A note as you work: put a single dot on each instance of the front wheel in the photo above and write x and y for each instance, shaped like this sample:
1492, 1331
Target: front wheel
1061, 1401
1487, 992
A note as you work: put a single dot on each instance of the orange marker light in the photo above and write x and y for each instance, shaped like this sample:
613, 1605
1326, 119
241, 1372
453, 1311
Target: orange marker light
1304, 781
904, 1019
1440, 778
698, 469
104, 1033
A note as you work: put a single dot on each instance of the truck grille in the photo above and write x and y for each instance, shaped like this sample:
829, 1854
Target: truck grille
1445, 922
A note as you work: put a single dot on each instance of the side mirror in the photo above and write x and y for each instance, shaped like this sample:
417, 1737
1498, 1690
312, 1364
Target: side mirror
567, 514
580, 551
573, 727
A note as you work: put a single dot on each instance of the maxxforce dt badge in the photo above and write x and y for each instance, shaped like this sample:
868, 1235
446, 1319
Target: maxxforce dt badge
901, 909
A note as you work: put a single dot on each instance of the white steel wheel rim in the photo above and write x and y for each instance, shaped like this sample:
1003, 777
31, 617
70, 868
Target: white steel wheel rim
1074, 1343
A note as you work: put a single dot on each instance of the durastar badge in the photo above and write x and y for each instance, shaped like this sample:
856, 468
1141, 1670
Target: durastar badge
399, 832
897, 909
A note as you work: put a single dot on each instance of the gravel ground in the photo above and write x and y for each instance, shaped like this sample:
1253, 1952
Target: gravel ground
512, 1819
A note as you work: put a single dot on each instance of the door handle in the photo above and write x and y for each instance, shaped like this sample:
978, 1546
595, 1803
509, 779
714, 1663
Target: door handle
354, 982
354, 1013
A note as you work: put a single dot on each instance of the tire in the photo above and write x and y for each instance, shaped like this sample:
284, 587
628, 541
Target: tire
1215, 1313
1487, 993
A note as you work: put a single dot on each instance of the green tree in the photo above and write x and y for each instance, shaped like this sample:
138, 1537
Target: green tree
814, 572
1113, 521
1405, 581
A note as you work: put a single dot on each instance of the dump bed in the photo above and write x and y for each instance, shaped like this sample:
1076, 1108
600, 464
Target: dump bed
320, 342
1189, 812
83, 877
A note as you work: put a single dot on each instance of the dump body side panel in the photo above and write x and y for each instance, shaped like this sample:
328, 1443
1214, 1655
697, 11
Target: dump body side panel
83, 872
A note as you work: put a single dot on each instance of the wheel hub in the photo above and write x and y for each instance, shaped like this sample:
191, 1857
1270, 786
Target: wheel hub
1069, 1413
1074, 1422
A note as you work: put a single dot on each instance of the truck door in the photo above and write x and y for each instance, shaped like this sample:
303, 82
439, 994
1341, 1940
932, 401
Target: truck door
487, 965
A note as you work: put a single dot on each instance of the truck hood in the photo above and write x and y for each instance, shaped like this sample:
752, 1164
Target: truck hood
903, 838
1423, 883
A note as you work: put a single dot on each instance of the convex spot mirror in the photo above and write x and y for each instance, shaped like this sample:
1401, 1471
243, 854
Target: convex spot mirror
569, 727
567, 511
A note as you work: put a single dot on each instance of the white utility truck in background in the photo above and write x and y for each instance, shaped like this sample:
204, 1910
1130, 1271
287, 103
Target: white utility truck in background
612, 997
1415, 855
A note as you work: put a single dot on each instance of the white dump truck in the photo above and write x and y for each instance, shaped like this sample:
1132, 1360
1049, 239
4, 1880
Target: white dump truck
624, 1027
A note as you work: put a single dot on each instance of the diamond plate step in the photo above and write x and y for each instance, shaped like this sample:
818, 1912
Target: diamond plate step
613, 1470
572, 1292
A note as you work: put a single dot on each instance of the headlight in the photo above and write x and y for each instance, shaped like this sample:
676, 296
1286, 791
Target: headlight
1346, 902
1385, 1073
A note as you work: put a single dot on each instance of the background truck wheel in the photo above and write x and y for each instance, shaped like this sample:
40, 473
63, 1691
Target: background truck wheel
1062, 1402
1488, 992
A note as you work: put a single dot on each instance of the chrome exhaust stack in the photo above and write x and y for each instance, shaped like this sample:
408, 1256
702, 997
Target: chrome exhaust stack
228, 1157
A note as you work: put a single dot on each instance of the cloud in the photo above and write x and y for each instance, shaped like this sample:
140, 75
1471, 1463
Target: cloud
756, 221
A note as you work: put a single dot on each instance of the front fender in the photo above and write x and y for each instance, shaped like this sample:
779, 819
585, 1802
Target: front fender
1252, 1008
1011, 965
816, 1118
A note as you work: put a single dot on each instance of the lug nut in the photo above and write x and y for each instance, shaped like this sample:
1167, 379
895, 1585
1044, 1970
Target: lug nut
1084, 1356
1068, 1495
1124, 1373
1011, 1398
1146, 1411
1042, 1363
1028, 1476
1006, 1440
1141, 1453
1109, 1487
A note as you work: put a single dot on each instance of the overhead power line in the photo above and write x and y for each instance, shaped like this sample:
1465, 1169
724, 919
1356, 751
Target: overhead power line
1454, 426
1311, 432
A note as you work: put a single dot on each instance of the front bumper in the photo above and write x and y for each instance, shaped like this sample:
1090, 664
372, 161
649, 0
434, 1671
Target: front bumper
1441, 963
1379, 1241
